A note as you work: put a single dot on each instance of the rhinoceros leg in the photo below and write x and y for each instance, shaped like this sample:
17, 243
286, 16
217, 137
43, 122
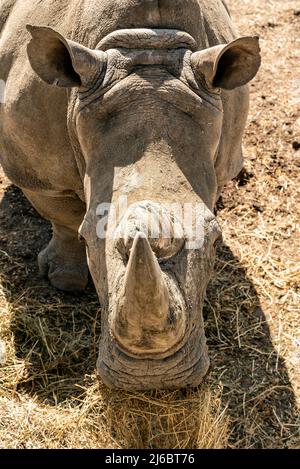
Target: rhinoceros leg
64, 259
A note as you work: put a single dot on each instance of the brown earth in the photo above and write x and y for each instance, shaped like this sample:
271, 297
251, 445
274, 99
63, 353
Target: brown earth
49, 394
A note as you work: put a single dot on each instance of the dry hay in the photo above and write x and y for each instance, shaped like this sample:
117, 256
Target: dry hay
51, 397
49, 394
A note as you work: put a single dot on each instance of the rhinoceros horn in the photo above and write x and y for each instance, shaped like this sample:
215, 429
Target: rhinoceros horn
142, 323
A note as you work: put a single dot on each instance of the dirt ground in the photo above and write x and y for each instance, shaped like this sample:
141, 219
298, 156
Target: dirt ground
49, 394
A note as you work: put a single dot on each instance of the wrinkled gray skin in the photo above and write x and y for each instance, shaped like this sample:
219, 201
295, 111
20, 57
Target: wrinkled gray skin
156, 115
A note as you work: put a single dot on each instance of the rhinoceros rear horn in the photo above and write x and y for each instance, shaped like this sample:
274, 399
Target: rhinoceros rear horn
228, 66
141, 323
61, 62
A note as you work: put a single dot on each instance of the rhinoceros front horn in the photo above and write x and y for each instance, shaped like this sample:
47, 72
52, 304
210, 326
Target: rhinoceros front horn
146, 296
146, 322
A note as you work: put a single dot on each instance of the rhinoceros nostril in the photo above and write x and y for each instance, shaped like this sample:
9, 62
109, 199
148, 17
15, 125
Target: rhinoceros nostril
163, 231
81, 239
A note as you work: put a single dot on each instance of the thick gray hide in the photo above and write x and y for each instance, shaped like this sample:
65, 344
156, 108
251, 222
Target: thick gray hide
139, 98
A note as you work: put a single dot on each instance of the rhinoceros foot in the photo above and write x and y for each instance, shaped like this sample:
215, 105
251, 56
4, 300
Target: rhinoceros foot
65, 266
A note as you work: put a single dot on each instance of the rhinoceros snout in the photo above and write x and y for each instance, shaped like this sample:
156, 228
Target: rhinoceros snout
154, 332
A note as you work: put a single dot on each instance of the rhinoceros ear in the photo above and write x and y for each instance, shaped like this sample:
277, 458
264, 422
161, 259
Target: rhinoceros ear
61, 62
228, 66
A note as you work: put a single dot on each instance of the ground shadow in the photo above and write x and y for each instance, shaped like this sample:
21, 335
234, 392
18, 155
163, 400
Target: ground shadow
56, 335
53, 331
256, 385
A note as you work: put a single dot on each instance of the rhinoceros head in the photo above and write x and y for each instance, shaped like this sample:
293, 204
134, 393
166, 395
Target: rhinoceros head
146, 120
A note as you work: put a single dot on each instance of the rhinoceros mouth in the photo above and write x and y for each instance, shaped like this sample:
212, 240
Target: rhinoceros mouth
144, 38
187, 366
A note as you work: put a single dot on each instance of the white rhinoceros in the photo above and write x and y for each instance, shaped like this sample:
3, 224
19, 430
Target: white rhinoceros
147, 105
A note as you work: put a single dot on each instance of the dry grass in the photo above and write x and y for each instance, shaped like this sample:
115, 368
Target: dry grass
49, 395
51, 398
